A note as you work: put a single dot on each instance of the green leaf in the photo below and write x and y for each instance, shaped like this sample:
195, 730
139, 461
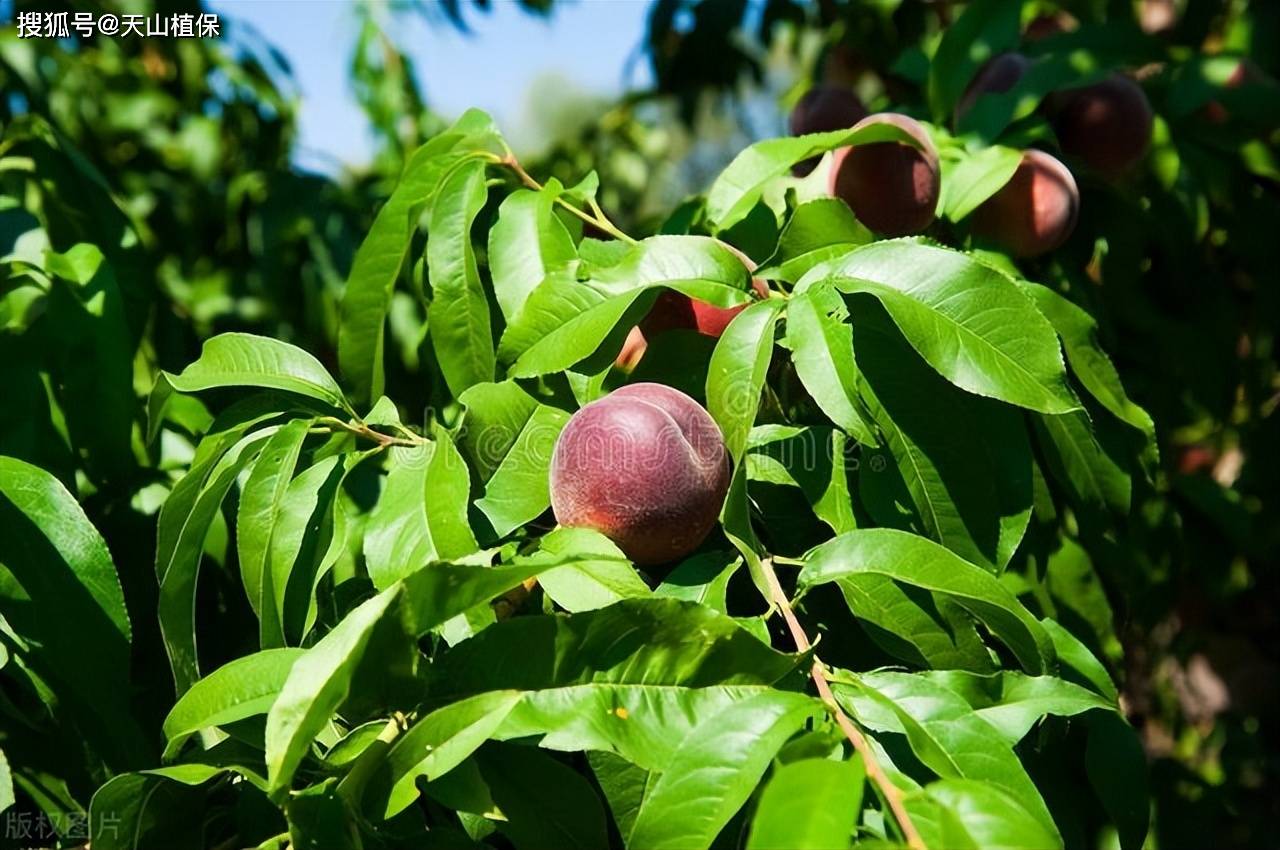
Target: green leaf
821, 346
1079, 333
812, 459
178, 566
526, 243
818, 231
150, 810
598, 576
321, 679
257, 515
922, 563
566, 321
1076, 656
1081, 464
246, 360
1013, 702
969, 179
968, 321
965, 460
972, 815
944, 732
703, 578
81, 630
1117, 767
741, 184
736, 376
546, 803
811, 804
459, 314
509, 437
7, 798
238, 689
623, 784
439, 742
715, 769
377, 263
984, 28
421, 514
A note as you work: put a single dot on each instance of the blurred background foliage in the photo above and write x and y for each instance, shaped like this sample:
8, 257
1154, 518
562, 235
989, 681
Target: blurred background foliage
177, 159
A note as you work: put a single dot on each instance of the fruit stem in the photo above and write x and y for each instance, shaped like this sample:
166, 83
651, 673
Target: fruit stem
595, 218
892, 796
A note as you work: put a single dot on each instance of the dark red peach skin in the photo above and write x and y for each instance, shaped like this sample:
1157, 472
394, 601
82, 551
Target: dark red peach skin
1035, 211
892, 187
647, 467
1106, 125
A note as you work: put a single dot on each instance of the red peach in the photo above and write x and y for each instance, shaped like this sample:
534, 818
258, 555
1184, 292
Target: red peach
892, 187
822, 109
646, 466
1035, 211
1106, 125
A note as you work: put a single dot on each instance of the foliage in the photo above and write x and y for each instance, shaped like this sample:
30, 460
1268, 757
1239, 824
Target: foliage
277, 565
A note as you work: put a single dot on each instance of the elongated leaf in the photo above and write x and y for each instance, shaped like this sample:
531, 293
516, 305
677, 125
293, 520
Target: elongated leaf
965, 460
945, 734
321, 679
812, 804
440, 741
741, 184
1117, 769
566, 321
1075, 656
377, 264
812, 459
598, 576
972, 815
82, 628
968, 321
459, 315
715, 769
150, 810
736, 376
1081, 464
984, 28
1013, 702
1079, 333
818, 231
526, 243
178, 568
238, 689
257, 515
546, 803
421, 515
968, 179
922, 563
822, 350
246, 360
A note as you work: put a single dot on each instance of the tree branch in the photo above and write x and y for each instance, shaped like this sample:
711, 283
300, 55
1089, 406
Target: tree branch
892, 796
598, 219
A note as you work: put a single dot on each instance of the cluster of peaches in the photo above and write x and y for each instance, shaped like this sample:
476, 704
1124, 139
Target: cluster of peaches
893, 188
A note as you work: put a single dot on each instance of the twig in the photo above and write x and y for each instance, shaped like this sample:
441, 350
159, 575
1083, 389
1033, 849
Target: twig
360, 429
890, 792
598, 219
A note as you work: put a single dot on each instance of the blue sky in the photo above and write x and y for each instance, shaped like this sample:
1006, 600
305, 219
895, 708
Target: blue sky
587, 42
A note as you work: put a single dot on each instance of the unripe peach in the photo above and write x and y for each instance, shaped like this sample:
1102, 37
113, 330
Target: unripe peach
1107, 124
998, 75
822, 109
647, 467
892, 187
1035, 211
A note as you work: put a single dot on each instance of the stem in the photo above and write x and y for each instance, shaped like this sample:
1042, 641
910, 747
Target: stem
362, 430
596, 218
892, 796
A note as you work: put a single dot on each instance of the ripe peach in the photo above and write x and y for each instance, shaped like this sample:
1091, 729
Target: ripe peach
1035, 211
1107, 124
646, 466
999, 74
822, 109
891, 186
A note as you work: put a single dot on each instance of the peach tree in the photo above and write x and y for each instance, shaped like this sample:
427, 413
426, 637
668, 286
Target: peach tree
843, 626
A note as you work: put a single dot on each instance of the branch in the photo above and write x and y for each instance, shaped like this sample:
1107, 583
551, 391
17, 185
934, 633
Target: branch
890, 792
596, 218
360, 429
